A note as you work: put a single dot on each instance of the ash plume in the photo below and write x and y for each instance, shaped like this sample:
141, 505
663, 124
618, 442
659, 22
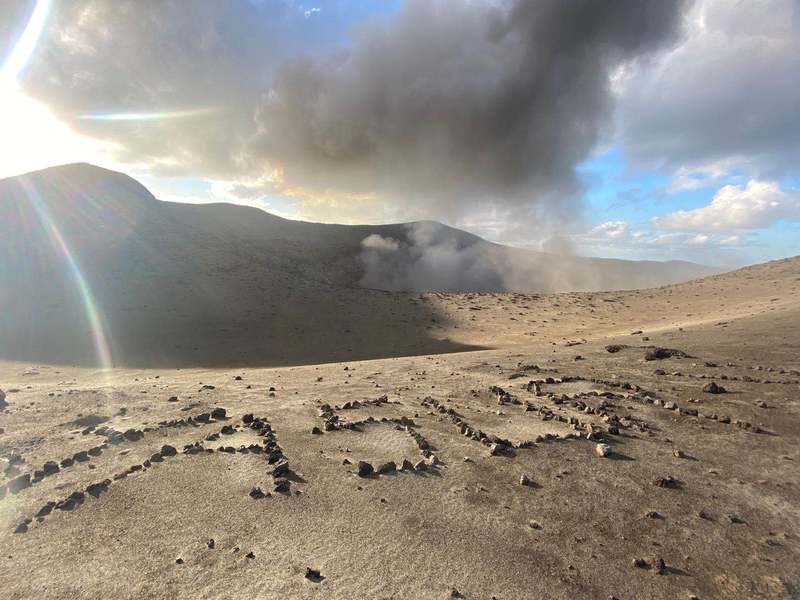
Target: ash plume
452, 104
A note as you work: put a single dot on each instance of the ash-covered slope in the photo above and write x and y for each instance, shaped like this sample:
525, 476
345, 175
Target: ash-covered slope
89, 258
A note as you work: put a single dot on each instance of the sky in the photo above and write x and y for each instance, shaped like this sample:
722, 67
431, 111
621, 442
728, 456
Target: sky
639, 129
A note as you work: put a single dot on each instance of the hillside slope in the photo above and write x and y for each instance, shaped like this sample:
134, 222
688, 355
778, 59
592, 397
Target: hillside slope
89, 258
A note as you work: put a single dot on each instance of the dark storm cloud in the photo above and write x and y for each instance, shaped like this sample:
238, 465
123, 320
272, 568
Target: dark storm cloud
439, 106
454, 101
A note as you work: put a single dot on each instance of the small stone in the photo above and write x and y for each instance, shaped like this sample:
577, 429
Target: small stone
387, 467
406, 465
602, 450
666, 482
21, 528
420, 465
218, 413
280, 468
167, 450
211, 544
713, 388
735, 519
640, 563
178, 561
250, 555
679, 454
313, 575
524, 480
50, 468
257, 494
316, 430
46, 509
658, 566
365, 469
172, 399
282, 485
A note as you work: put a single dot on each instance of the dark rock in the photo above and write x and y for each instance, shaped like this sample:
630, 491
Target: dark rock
22, 528
247, 419
132, 435
316, 431
95, 489
614, 348
387, 467
713, 388
662, 353
256, 493
167, 450
282, 485
280, 468
667, 482
218, 413
80, 456
46, 510
50, 468
313, 575
172, 399
365, 469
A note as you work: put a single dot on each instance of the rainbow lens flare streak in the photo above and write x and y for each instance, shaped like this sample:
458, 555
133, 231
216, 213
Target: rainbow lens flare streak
90, 306
24, 48
147, 116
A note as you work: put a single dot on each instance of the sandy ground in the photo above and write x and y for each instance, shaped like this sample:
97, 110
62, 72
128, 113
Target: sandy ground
706, 483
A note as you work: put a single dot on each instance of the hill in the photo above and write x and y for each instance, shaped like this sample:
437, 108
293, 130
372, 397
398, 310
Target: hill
90, 258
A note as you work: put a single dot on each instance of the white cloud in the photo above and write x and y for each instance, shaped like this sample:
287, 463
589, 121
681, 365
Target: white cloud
727, 96
736, 208
687, 178
611, 229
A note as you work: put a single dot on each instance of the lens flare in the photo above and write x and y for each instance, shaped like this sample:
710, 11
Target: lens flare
90, 306
147, 116
23, 50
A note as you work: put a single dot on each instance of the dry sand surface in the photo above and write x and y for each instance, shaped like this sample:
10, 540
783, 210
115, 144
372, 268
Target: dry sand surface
506, 495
